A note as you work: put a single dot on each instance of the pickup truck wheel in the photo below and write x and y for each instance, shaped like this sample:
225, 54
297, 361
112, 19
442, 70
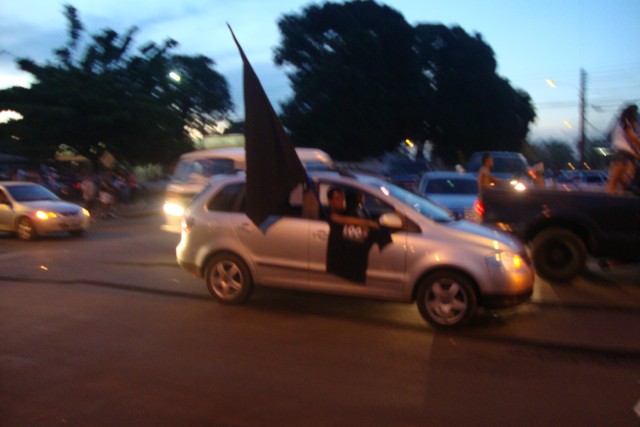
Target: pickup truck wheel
228, 279
558, 254
446, 299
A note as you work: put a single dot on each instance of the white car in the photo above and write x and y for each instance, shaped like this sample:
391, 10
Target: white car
194, 169
30, 210
448, 267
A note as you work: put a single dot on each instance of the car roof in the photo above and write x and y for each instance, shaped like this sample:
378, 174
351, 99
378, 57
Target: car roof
16, 183
237, 154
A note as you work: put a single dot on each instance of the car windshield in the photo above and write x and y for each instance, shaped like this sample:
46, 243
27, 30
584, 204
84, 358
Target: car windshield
423, 206
509, 165
30, 193
452, 186
189, 170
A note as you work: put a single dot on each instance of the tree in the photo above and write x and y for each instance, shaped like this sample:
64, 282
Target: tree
364, 80
472, 107
104, 97
356, 82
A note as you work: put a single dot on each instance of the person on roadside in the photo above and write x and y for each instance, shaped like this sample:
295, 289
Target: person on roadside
485, 179
107, 196
89, 191
626, 145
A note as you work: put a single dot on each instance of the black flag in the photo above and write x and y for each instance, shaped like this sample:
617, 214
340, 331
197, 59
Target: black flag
273, 167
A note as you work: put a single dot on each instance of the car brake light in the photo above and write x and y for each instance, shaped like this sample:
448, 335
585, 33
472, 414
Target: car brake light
478, 207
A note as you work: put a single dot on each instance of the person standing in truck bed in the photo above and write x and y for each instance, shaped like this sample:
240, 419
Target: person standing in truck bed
626, 143
485, 179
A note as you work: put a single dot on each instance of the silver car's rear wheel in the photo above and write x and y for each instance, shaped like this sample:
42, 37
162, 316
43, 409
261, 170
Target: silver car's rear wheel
446, 299
228, 279
25, 229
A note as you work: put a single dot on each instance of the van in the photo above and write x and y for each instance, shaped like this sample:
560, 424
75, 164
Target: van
193, 170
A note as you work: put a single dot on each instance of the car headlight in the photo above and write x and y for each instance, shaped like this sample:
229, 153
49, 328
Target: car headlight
517, 185
85, 212
507, 261
173, 209
44, 215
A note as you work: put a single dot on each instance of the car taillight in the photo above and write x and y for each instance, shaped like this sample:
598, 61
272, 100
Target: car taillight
478, 208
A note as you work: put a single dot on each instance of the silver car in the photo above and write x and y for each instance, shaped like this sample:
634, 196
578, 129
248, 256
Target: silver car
29, 210
448, 267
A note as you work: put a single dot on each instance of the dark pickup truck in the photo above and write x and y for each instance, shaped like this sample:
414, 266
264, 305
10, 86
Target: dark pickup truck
563, 227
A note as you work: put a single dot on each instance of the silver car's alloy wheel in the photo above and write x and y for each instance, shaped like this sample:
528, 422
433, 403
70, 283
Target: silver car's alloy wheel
228, 279
25, 229
446, 299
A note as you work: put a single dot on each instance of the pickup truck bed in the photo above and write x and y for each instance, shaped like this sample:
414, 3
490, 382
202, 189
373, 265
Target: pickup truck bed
563, 227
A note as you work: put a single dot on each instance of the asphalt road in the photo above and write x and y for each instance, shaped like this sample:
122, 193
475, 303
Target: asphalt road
107, 330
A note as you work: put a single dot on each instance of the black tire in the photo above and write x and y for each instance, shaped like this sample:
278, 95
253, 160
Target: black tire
228, 279
558, 254
25, 229
446, 299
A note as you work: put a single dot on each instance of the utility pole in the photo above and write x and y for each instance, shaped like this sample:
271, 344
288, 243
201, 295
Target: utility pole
583, 108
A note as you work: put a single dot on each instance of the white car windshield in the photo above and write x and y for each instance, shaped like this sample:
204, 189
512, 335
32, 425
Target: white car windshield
423, 206
30, 193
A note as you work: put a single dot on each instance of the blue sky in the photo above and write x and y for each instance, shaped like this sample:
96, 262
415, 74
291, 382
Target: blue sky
533, 40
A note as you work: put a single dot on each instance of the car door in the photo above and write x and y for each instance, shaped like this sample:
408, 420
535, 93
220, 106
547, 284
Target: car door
385, 271
279, 251
6, 212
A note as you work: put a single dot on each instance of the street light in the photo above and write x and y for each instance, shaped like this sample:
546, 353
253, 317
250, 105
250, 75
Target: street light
175, 76
582, 91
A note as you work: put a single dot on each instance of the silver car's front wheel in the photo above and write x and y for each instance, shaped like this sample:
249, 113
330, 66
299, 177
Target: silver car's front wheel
25, 229
446, 299
228, 279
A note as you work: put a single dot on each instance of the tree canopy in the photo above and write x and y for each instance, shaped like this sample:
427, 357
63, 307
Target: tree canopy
472, 107
355, 79
364, 80
100, 96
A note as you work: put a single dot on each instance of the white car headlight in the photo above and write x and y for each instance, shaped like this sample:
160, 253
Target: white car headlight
44, 215
173, 209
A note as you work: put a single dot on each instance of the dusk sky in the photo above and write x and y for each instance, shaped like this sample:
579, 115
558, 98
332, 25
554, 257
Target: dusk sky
533, 40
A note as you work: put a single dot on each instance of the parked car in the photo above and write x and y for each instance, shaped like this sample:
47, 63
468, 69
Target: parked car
456, 191
194, 169
448, 267
30, 210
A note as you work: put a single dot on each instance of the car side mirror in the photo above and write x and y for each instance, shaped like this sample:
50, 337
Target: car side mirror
390, 220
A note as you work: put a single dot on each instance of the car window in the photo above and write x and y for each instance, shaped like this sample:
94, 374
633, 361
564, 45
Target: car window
232, 198
419, 204
187, 170
31, 193
229, 199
